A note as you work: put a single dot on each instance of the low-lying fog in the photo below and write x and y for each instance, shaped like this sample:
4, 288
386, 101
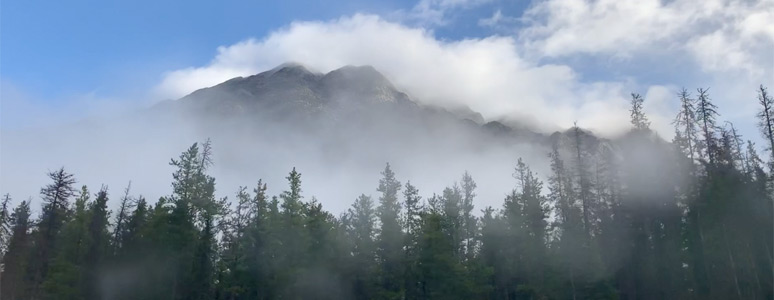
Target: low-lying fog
340, 153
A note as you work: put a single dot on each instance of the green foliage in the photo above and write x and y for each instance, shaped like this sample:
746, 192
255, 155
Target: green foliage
16, 257
389, 242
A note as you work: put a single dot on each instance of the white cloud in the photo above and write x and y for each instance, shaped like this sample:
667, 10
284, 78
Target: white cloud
498, 21
491, 21
486, 74
721, 35
436, 12
724, 44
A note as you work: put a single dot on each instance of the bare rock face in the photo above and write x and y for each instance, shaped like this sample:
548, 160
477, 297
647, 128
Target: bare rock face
291, 89
353, 101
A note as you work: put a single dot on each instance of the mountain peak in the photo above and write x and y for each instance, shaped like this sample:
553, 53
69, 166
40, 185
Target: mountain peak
290, 68
292, 88
365, 74
361, 84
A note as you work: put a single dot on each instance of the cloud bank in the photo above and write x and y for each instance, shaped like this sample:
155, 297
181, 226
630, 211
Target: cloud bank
486, 74
721, 35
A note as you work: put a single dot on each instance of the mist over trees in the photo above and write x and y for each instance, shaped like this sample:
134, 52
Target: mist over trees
631, 218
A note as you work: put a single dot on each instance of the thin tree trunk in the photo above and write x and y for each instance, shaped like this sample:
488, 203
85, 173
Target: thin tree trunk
751, 261
572, 283
733, 263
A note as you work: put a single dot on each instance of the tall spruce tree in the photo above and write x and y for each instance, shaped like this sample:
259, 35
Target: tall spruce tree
706, 115
17, 255
5, 223
292, 236
122, 217
469, 220
766, 118
390, 238
638, 118
55, 197
99, 244
685, 125
413, 225
66, 276
360, 222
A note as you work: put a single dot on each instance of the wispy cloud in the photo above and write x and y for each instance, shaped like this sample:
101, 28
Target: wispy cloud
499, 21
435, 12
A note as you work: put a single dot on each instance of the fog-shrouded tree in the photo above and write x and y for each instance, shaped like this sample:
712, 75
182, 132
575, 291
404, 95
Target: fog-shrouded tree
389, 241
133, 240
122, 217
638, 118
360, 223
55, 209
706, 116
291, 235
233, 272
98, 250
5, 223
413, 224
469, 220
685, 125
17, 254
66, 277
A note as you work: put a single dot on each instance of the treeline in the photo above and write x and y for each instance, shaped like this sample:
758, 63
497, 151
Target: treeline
633, 218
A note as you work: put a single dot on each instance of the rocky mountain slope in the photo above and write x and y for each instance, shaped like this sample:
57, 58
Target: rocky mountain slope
351, 95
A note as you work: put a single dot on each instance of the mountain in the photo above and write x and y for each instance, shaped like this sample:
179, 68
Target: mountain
351, 95
291, 89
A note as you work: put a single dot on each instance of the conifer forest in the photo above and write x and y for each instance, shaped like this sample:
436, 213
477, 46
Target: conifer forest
632, 217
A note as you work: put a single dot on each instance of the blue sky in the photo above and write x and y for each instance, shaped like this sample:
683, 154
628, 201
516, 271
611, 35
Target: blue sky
69, 54
54, 49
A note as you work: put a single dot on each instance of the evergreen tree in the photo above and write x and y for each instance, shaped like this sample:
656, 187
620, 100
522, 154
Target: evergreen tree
706, 113
584, 184
451, 220
66, 277
685, 125
390, 239
260, 245
232, 281
569, 235
292, 236
55, 197
441, 274
413, 225
5, 224
133, 239
469, 221
202, 270
323, 273
360, 222
122, 217
534, 212
16, 257
766, 118
98, 244
638, 118
492, 253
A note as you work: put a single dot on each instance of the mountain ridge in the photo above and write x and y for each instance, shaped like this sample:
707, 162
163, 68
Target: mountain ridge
293, 92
